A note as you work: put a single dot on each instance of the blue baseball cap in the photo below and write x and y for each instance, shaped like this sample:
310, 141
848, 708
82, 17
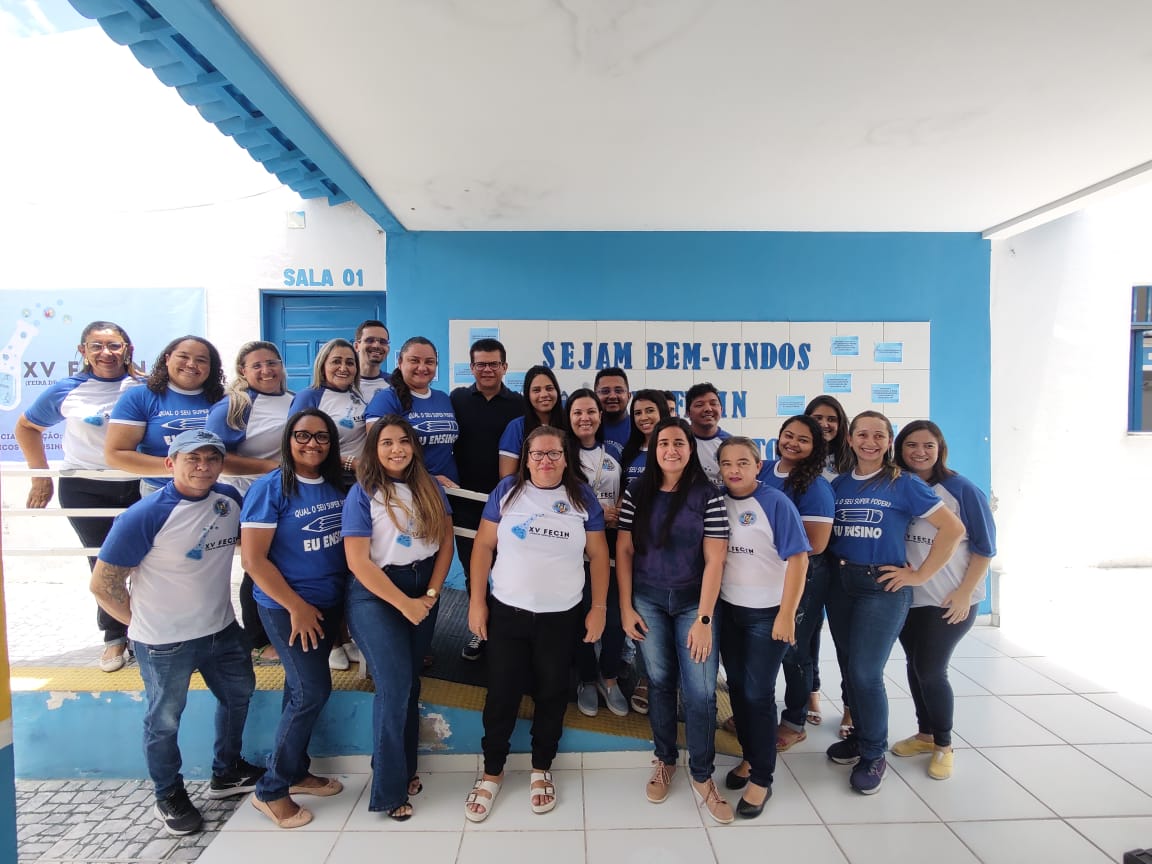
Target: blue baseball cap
194, 439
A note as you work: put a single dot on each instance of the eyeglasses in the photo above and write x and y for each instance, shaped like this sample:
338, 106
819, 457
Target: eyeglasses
609, 391
541, 455
375, 340
97, 347
480, 366
264, 364
302, 436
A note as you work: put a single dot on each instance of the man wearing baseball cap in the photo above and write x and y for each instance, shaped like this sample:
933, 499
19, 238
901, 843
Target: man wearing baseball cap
177, 545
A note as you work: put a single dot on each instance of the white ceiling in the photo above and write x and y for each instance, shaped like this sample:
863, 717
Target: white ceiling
718, 114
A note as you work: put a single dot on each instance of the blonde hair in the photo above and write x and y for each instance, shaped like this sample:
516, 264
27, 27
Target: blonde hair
239, 402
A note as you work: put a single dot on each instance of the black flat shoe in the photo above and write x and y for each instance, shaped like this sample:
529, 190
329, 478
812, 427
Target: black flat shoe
734, 780
750, 811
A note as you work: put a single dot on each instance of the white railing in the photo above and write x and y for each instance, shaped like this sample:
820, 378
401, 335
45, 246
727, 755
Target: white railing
110, 474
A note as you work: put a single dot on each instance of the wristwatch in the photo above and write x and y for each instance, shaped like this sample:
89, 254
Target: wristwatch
432, 592
705, 619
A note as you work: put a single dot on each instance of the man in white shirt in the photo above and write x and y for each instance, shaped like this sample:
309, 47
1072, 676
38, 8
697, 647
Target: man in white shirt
177, 545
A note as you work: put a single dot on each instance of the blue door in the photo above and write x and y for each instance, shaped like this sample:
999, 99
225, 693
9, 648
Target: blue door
300, 322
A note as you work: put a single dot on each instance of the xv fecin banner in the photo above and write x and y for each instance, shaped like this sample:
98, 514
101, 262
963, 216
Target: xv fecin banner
41, 331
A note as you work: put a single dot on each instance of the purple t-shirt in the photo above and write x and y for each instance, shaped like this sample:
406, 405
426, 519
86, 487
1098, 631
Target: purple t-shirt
679, 563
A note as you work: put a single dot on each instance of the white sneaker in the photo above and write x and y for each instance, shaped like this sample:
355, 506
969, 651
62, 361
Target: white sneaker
353, 652
338, 659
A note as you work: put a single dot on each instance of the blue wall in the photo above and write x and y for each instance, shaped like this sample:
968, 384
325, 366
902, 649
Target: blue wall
54, 737
941, 278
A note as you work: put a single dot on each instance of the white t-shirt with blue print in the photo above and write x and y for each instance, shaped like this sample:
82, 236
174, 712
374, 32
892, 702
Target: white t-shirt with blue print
307, 547
366, 516
345, 407
263, 429
84, 404
540, 540
182, 550
964, 498
764, 531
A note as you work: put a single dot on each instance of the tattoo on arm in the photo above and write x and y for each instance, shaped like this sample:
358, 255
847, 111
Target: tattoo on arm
113, 581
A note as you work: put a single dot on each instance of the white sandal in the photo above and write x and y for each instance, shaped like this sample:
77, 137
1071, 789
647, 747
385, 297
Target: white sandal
548, 790
483, 802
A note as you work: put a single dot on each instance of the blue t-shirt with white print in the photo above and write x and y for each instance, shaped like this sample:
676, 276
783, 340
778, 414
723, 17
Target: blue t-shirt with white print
872, 516
307, 547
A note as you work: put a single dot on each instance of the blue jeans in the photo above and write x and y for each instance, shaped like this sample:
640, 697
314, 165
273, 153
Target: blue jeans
307, 686
865, 621
669, 615
394, 650
801, 673
226, 667
928, 642
752, 659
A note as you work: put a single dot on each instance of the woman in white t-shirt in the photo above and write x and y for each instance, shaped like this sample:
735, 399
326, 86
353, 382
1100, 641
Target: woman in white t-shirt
943, 608
397, 531
544, 520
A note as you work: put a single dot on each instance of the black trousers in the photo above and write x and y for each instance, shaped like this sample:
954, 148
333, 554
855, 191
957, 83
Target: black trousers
523, 644
93, 530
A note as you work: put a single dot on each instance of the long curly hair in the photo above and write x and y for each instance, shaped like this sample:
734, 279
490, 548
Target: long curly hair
213, 385
805, 472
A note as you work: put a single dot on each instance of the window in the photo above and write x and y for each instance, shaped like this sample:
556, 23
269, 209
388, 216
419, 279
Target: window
1140, 376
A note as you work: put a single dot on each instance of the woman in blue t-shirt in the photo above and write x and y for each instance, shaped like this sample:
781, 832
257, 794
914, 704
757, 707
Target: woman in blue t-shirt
544, 519
868, 602
82, 402
759, 595
290, 545
398, 537
648, 408
430, 412
673, 533
542, 407
829, 414
187, 379
943, 608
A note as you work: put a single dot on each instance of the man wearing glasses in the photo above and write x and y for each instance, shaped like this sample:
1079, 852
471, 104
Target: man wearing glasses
372, 346
483, 410
612, 388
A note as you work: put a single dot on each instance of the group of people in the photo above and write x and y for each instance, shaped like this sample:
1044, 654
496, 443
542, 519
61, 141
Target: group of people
609, 522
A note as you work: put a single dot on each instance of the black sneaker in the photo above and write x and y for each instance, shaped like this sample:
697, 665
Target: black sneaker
868, 775
474, 650
846, 752
178, 814
240, 780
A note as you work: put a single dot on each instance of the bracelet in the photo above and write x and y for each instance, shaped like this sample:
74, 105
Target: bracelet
598, 606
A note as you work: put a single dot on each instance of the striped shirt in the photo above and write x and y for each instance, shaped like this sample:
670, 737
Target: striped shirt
679, 562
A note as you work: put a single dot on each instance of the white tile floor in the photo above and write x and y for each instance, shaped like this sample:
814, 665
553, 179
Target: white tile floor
1050, 767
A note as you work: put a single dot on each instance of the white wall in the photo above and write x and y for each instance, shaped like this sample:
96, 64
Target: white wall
114, 182
1072, 485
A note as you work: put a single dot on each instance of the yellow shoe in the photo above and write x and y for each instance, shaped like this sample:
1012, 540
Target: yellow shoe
940, 768
912, 747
